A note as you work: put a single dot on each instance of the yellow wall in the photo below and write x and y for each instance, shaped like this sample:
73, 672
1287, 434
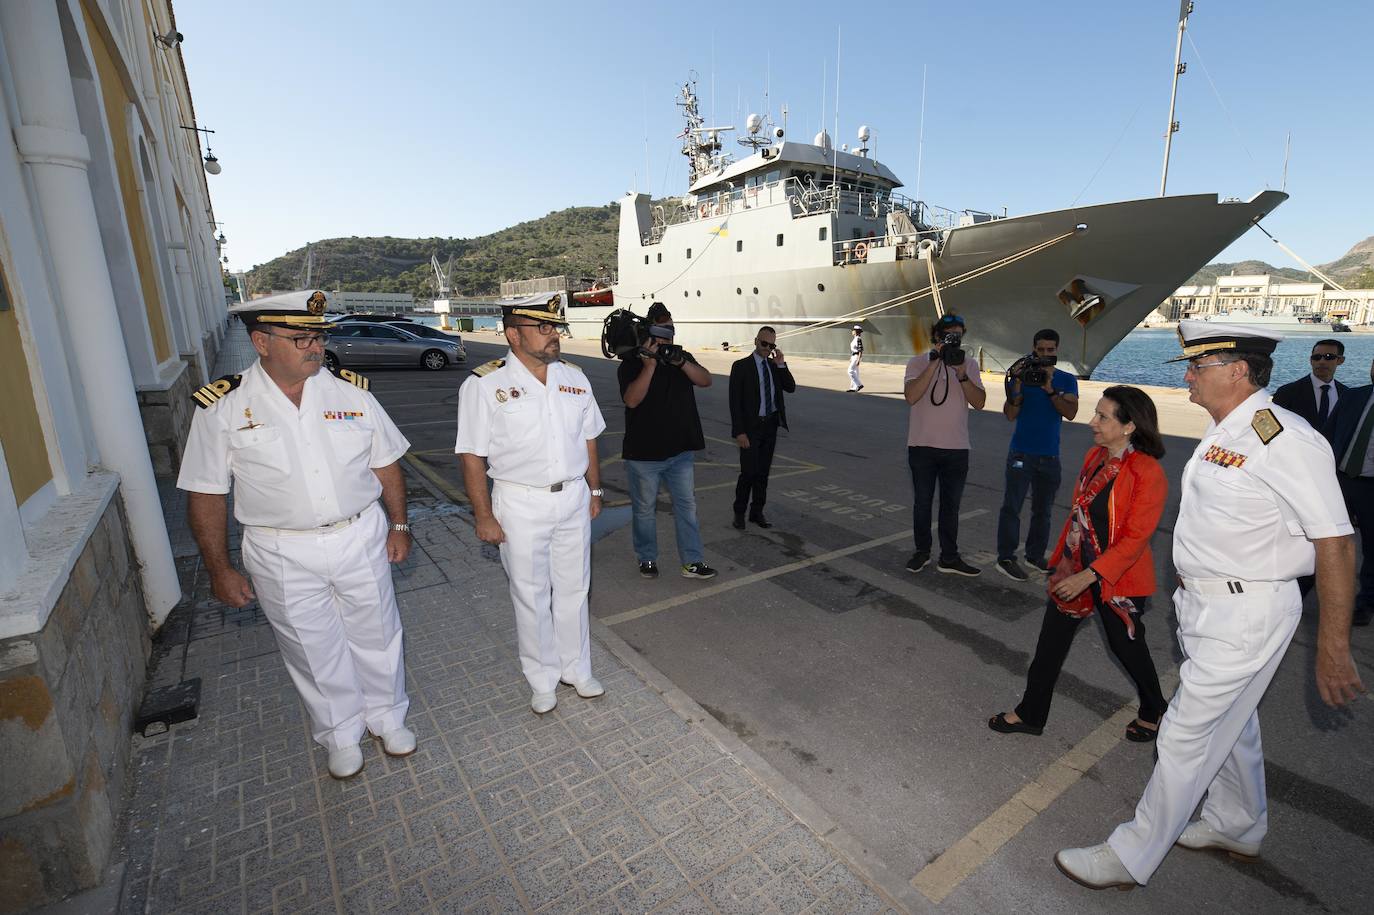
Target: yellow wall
20, 433
116, 115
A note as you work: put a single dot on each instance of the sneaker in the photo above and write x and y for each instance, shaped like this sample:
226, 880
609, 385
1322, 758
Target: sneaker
648, 569
957, 566
917, 562
1012, 569
858, 389
698, 570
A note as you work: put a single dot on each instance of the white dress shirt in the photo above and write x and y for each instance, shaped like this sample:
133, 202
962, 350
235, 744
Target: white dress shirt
1332, 394
530, 433
1248, 510
291, 468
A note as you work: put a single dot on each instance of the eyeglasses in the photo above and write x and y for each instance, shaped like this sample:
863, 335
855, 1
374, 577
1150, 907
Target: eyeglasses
302, 341
544, 327
1198, 366
1326, 357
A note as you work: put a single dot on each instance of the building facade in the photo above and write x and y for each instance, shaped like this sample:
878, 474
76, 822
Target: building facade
1267, 294
111, 313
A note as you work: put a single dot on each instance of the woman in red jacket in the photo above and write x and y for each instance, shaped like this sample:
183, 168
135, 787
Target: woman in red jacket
1103, 562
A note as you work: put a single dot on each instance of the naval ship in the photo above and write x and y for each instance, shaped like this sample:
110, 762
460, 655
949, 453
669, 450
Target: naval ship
813, 239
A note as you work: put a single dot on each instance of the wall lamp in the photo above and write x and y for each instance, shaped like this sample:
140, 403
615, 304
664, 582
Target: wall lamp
212, 165
171, 40
221, 241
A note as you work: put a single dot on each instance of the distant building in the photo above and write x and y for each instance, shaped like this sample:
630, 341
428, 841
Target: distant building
376, 303
1264, 293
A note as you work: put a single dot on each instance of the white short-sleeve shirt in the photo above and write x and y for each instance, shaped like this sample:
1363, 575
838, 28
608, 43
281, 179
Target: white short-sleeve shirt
291, 468
1251, 510
531, 433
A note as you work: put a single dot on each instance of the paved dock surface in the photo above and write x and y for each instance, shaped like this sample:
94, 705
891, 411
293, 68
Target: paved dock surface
806, 732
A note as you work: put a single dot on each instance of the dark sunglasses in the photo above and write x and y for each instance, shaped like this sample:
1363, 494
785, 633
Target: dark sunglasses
1325, 357
766, 345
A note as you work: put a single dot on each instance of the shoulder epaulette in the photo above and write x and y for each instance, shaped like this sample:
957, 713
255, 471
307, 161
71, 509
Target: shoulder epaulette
352, 378
206, 396
1266, 425
491, 366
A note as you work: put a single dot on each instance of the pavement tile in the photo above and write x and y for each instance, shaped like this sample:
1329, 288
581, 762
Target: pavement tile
496, 895
654, 880
668, 809
364, 859
796, 850
622, 833
545, 875
300, 884
700, 851
471, 859
523, 833
741, 888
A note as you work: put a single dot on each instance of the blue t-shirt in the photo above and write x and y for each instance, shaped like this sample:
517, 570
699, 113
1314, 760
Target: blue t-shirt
1037, 425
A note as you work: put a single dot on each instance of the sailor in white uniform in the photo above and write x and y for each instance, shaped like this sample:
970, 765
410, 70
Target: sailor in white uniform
308, 455
1260, 507
856, 355
530, 422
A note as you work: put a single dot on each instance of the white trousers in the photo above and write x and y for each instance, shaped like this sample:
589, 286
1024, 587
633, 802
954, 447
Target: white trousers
331, 603
854, 373
1209, 739
547, 556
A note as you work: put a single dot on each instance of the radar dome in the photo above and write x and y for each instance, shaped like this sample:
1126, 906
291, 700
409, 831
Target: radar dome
753, 123
822, 140
863, 133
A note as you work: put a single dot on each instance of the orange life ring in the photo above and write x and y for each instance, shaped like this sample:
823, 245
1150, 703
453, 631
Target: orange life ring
703, 210
861, 251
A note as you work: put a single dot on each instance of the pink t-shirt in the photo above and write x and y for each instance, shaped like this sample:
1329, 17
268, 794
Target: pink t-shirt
944, 425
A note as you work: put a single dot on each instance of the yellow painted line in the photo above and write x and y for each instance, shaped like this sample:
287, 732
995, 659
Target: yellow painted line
942, 876
732, 584
439, 482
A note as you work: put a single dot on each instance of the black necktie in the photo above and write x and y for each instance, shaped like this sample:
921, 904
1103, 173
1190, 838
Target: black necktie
767, 389
1324, 409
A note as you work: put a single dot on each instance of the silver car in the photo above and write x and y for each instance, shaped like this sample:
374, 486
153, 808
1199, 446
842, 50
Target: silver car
361, 344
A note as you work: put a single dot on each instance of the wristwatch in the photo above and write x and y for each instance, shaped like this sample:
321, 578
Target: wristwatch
403, 528
598, 492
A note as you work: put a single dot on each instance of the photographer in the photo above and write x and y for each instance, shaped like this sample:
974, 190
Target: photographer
662, 430
1039, 399
940, 387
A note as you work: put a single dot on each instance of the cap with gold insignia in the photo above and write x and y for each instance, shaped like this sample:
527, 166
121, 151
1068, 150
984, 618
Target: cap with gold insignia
1203, 338
541, 307
304, 309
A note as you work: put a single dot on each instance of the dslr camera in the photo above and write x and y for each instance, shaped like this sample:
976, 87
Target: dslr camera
951, 353
1032, 370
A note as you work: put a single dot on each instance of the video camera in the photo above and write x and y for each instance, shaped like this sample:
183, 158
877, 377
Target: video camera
625, 335
950, 351
1032, 370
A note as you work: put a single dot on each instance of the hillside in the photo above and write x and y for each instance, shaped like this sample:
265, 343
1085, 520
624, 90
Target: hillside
579, 241
1354, 269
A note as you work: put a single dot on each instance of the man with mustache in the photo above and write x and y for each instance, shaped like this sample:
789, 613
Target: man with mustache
308, 455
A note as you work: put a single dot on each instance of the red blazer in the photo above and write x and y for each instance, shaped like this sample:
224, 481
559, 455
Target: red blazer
1135, 504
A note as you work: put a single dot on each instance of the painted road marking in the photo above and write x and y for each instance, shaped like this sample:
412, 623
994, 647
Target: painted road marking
424, 470
732, 584
942, 876
839, 500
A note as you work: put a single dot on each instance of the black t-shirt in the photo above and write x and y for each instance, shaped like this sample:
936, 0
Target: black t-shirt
666, 422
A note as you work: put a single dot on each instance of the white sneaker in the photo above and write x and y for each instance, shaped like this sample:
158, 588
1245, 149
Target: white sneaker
346, 762
543, 702
1097, 867
589, 688
1200, 835
400, 742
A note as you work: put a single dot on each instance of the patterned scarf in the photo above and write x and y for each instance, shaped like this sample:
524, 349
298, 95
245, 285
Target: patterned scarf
1082, 546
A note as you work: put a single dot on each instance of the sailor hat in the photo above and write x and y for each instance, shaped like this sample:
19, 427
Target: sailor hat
303, 309
542, 307
858, 327
1202, 338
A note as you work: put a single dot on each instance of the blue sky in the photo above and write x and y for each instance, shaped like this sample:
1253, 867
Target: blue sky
419, 119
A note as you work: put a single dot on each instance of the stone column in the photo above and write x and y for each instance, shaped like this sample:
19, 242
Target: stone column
56, 153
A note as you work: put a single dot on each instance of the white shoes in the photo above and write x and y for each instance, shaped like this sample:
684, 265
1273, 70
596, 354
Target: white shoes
400, 742
589, 688
1200, 835
543, 702
346, 762
1097, 867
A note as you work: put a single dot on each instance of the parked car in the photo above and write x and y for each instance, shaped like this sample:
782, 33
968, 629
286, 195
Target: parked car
424, 330
358, 344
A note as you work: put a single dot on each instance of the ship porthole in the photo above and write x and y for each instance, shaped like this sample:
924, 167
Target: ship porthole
698, 293
756, 290
820, 287
684, 293
739, 291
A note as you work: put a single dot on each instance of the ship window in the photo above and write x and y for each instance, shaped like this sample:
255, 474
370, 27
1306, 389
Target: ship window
698, 293
689, 253
739, 291
820, 287
756, 290
779, 239
739, 245
684, 293
820, 237
646, 258
660, 257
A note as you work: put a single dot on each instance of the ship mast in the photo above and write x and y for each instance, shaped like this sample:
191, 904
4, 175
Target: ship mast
1184, 10
700, 144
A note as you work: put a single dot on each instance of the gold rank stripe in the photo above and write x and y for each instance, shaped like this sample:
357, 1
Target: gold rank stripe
1201, 349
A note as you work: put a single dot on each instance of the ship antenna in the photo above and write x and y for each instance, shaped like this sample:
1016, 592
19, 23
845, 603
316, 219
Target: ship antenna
921, 137
1185, 9
835, 153
1287, 143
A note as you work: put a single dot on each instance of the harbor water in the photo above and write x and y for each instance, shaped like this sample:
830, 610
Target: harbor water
1140, 359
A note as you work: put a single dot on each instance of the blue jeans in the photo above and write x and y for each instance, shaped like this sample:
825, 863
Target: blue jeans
677, 474
1038, 474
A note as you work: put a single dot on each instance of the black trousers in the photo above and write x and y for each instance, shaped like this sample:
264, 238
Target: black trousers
1359, 499
947, 468
751, 491
1056, 635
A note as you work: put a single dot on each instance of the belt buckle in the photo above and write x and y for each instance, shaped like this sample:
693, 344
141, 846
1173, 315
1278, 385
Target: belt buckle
557, 487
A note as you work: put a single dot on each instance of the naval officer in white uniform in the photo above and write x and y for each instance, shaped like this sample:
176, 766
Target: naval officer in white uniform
308, 455
530, 422
1260, 507
856, 355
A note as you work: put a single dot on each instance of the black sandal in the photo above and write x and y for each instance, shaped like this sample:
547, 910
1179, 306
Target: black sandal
1137, 732
1001, 725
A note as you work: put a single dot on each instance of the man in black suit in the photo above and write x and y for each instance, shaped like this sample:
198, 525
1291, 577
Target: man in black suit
1314, 396
757, 384
1350, 430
